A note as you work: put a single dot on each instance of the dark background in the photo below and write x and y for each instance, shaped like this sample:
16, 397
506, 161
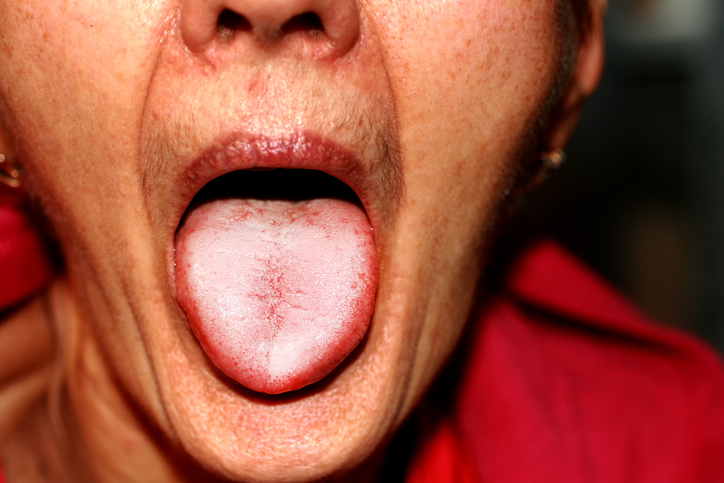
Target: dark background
641, 198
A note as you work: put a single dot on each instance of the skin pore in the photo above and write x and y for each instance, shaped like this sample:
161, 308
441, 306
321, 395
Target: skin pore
112, 109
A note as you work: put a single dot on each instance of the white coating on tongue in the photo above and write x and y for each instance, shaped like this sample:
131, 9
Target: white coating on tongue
278, 293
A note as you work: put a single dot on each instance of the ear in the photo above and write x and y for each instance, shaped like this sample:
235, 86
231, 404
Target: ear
583, 80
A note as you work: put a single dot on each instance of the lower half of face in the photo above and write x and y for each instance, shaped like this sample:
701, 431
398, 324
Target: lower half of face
273, 217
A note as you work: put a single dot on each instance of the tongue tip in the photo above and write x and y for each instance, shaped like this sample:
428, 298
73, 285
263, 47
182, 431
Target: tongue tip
264, 378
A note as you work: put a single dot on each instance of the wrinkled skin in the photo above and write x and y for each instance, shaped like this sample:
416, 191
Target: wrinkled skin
107, 105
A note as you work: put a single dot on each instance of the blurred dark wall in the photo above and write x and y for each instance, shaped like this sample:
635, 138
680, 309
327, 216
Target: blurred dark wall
642, 196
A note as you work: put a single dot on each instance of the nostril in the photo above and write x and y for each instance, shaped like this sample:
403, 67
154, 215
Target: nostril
322, 29
229, 23
307, 22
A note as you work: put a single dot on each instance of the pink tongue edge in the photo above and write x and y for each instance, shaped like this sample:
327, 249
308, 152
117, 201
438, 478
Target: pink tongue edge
327, 266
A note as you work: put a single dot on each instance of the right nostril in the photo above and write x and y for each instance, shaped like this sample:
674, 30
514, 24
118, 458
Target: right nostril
229, 23
308, 22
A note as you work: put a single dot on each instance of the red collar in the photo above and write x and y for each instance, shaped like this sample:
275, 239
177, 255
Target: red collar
25, 267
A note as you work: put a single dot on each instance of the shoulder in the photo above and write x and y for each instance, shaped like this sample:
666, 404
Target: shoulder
579, 319
569, 382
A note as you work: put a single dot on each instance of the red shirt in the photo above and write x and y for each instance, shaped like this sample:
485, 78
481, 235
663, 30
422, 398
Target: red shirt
25, 267
569, 383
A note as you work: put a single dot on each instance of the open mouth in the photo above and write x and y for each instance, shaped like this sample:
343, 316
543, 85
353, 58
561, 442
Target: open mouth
276, 270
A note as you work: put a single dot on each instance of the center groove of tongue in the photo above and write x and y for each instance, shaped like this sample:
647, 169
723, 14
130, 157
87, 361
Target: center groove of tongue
278, 293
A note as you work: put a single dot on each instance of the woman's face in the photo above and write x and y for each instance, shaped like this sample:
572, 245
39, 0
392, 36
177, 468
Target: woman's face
122, 110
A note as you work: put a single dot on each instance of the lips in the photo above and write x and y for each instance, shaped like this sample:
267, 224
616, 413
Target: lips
277, 271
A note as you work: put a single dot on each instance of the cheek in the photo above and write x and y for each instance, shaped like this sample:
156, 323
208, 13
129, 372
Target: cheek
71, 83
473, 72
470, 80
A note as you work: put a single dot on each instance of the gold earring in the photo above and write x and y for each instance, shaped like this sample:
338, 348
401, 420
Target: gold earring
550, 161
10, 174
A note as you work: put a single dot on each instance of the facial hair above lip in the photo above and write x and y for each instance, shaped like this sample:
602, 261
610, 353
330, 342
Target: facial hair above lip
361, 149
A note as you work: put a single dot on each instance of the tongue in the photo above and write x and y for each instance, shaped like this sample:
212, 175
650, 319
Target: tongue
278, 293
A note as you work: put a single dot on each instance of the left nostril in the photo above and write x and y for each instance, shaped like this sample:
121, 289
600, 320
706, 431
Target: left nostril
229, 23
307, 22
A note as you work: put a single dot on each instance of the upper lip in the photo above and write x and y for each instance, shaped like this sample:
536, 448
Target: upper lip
295, 151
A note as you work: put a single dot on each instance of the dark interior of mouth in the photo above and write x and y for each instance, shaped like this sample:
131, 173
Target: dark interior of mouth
276, 184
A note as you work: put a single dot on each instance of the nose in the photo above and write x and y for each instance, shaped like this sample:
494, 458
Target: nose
331, 27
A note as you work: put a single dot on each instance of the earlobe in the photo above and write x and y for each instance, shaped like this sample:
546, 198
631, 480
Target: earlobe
583, 80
